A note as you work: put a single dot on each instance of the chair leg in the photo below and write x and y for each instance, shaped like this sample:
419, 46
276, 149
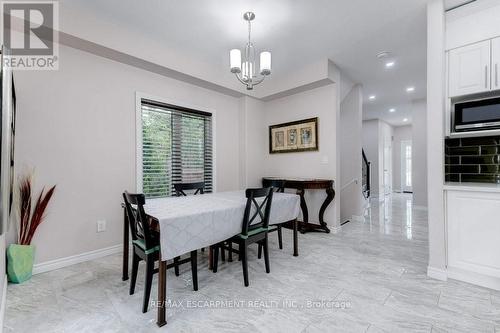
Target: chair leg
244, 262
259, 254
216, 257
239, 251
176, 265
280, 238
266, 255
194, 269
135, 268
150, 265
230, 254
222, 252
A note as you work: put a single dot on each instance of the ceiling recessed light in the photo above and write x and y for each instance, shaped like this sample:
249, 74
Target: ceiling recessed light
410, 89
390, 64
392, 110
383, 54
405, 120
372, 97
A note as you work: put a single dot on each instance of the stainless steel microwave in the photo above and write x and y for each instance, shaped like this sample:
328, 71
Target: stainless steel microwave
477, 115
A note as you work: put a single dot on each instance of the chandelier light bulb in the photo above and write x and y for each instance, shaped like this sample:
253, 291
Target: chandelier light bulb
265, 63
235, 60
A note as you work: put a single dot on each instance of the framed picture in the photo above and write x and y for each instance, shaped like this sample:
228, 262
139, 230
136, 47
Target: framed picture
295, 136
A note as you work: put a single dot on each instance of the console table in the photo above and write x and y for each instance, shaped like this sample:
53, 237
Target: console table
300, 185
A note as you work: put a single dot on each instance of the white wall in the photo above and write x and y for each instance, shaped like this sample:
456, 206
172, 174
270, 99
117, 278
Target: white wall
401, 133
419, 153
435, 135
377, 142
76, 126
253, 142
350, 196
386, 133
371, 147
321, 103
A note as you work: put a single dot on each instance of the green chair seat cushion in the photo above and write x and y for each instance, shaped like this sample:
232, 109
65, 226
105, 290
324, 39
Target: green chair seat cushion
252, 232
142, 245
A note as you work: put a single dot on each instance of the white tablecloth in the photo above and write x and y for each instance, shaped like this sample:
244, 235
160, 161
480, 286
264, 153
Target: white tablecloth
192, 222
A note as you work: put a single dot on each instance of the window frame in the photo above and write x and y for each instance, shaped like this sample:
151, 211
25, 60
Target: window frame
139, 96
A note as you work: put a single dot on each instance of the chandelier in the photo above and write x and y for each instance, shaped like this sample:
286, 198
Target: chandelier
245, 71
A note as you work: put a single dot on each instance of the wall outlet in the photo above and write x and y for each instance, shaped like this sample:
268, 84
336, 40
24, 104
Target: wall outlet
101, 225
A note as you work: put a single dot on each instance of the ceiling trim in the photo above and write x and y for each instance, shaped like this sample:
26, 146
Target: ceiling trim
127, 59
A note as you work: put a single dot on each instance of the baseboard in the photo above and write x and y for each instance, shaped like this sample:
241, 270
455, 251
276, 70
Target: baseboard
474, 278
358, 218
437, 273
4, 301
335, 229
76, 259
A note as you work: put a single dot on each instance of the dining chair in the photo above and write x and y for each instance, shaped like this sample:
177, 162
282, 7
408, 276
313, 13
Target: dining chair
254, 228
146, 245
179, 188
278, 186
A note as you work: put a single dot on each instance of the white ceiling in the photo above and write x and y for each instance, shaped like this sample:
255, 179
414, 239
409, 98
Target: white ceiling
298, 33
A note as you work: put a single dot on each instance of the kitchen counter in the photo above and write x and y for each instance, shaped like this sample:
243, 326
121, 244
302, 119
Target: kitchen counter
472, 187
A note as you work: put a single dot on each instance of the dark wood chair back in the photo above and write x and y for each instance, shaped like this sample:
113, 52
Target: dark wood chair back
181, 187
262, 210
138, 220
278, 185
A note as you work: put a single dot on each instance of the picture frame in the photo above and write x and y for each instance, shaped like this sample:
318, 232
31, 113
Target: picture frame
293, 137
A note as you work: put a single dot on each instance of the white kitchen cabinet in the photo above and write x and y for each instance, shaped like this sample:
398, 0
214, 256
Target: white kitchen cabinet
469, 69
495, 64
473, 229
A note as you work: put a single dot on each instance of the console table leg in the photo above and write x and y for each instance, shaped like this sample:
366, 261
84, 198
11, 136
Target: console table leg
330, 194
303, 206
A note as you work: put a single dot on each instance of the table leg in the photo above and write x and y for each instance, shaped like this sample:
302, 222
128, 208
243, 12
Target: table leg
295, 238
330, 194
303, 205
210, 258
125, 245
162, 293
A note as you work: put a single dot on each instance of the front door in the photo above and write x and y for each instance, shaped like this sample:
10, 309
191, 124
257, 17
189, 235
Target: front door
406, 171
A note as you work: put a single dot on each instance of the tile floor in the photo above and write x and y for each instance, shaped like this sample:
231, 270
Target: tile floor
371, 277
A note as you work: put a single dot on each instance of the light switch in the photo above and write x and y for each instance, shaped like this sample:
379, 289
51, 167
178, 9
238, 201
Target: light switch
324, 159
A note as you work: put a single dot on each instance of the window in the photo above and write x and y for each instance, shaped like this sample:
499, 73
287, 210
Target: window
176, 148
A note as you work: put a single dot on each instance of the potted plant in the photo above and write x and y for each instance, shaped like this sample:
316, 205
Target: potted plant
20, 256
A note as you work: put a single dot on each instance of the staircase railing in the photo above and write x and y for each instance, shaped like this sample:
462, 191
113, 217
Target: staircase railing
366, 176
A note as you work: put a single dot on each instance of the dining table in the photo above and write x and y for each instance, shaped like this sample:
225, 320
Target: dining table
189, 223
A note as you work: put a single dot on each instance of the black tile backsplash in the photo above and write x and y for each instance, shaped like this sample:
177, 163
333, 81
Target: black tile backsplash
473, 159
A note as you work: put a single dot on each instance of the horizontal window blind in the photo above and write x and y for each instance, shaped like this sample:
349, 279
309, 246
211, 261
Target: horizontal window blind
176, 148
